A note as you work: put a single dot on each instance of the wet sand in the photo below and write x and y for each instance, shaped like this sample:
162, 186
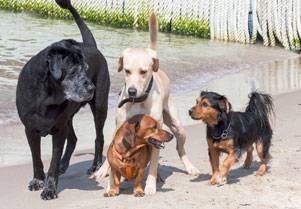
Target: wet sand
278, 189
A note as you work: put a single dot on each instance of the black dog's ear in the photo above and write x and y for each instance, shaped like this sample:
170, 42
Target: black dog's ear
224, 104
54, 62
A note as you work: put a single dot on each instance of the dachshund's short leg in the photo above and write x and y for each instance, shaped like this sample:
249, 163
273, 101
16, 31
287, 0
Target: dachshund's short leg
138, 191
114, 188
263, 154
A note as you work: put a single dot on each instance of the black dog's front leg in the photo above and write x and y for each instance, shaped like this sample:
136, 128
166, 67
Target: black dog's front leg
100, 115
51, 181
71, 143
34, 141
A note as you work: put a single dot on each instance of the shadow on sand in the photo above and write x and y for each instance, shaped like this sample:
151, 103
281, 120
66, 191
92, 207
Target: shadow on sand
234, 176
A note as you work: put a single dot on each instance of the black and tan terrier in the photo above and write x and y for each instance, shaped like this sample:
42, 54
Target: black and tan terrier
235, 132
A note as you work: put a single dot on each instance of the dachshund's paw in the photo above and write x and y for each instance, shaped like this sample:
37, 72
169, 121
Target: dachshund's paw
139, 193
35, 184
111, 193
49, 194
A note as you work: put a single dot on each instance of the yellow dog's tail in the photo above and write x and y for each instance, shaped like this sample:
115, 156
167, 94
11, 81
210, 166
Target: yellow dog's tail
153, 29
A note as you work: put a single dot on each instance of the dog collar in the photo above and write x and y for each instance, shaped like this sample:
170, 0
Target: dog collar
138, 99
225, 133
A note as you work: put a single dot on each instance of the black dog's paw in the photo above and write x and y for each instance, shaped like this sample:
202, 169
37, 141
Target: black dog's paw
94, 168
35, 184
63, 167
49, 194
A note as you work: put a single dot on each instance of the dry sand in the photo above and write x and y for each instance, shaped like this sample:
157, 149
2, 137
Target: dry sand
279, 188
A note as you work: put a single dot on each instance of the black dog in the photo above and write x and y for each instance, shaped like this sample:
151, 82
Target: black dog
235, 132
52, 87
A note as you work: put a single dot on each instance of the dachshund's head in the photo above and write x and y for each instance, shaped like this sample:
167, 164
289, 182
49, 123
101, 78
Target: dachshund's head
68, 69
143, 129
211, 108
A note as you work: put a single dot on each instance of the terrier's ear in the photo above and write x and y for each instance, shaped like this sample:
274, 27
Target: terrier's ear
225, 104
203, 93
120, 64
155, 64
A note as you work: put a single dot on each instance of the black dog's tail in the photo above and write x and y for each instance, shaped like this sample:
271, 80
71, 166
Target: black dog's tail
87, 36
262, 107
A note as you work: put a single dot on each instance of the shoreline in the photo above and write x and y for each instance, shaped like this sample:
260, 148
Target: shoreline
278, 189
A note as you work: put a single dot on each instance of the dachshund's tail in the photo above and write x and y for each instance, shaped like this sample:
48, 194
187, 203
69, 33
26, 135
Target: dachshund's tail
153, 29
87, 36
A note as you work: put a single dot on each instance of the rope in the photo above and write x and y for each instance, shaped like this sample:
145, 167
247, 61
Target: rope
228, 20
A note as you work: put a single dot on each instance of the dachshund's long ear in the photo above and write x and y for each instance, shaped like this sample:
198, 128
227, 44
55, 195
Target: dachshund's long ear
129, 135
225, 104
155, 64
120, 64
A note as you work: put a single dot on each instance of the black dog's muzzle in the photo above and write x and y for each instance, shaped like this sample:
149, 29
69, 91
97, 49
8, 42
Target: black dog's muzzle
138, 99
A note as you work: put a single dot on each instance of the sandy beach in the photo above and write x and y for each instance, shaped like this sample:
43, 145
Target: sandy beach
279, 188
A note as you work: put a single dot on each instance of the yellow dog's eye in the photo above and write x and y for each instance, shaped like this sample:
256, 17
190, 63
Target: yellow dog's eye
143, 72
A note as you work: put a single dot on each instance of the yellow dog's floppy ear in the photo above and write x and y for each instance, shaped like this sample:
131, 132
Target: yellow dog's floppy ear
225, 104
120, 64
155, 64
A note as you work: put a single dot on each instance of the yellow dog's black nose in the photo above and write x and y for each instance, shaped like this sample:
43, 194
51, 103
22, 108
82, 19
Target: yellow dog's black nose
132, 92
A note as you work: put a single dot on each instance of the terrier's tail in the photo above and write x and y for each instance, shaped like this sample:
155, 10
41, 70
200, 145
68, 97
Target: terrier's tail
153, 29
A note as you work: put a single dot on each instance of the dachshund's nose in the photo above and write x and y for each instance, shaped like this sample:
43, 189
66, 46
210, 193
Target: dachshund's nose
132, 91
170, 136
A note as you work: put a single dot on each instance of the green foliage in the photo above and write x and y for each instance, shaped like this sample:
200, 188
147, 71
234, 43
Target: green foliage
184, 26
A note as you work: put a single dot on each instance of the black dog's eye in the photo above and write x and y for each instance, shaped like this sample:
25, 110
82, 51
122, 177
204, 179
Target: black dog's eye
128, 72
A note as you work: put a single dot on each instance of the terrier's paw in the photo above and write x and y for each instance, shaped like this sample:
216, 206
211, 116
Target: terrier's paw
49, 194
35, 184
111, 193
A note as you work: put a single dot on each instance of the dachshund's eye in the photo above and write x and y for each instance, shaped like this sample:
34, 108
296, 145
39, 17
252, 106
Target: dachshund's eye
143, 72
128, 72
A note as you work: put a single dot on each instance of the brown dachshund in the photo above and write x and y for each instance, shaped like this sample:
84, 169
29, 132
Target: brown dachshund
130, 151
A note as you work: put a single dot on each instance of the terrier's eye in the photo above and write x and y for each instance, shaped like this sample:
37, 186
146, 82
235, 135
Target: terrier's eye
205, 105
128, 72
143, 72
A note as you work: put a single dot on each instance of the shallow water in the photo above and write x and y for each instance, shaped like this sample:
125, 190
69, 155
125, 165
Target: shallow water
192, 65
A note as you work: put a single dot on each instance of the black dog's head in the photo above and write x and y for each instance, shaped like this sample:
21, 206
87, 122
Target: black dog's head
68, 69
211, 108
